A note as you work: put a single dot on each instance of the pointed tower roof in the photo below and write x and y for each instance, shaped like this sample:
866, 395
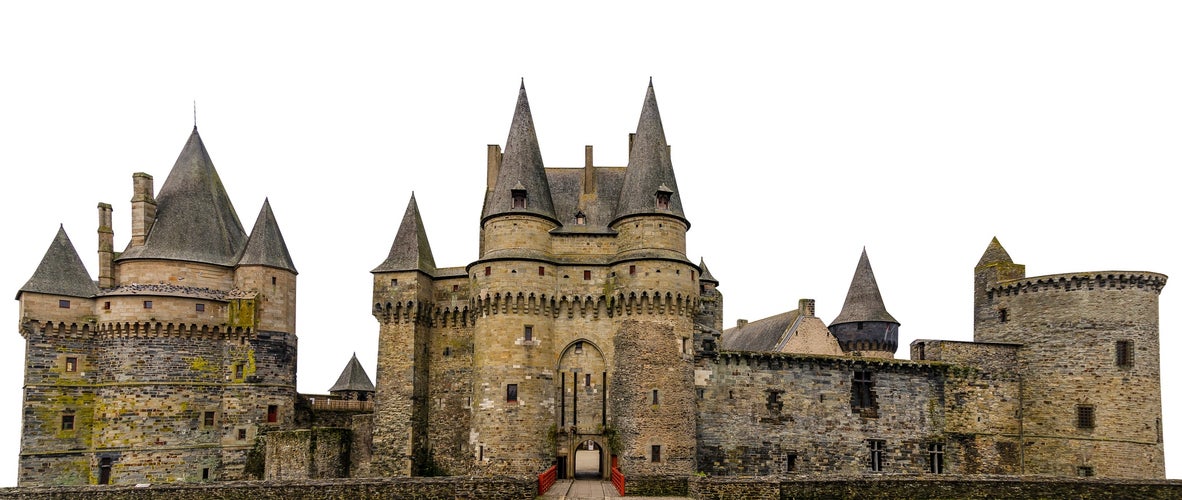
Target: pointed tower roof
353, 378
61, 271
195, 220
650, 168
994, 254
863, 302
266, 246
706, 276
411, 251
521, 168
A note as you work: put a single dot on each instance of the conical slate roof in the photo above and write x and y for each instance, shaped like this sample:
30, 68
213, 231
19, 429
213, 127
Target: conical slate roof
353, 378
266, 246
195, 220
649, 167
61, 271
521, 168
706, 276
411, 251
994, 253
863, 302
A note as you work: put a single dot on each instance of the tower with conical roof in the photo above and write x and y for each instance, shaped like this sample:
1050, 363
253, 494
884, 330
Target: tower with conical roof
864, 327
179, 356
354, 383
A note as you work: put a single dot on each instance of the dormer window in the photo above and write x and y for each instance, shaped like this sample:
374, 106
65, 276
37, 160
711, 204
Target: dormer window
581, 218
518, 193
663, 196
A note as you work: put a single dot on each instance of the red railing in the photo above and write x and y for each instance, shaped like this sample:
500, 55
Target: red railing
618, 479
546, 479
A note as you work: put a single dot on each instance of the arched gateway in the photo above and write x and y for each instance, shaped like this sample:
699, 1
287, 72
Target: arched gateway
582, 419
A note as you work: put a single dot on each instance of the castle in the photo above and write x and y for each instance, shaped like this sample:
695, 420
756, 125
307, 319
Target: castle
581, 326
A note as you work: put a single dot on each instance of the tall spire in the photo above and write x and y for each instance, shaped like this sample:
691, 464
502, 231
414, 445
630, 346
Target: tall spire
195, 220
61, 271
649, 175
521, 186
706, 276
266, 246
863, 302
411, 251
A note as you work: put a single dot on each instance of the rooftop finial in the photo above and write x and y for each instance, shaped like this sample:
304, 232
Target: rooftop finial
523, 83
194, 114
650, 81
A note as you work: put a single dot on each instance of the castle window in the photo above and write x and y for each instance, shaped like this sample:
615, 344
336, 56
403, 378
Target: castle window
632, 269
273, 280
529, 333
579, 347
701, 393
71, 364
107, 305
200, 308
511, 393
860, 325
1085, 471
147, 304
541, 270
272, 413
518, 197
394, 282
207, 421
790, 462
580, 218
663, 196
64, 304
447, 351
588, 382
919, 354
237, 371
205, 474
656, 397
105, 471
1003, 315
936, 458
1124, 353
656, 453
455, 288
876, 454
1085, 417
863, 390
242, 434
586, 275
67, 422
487, 270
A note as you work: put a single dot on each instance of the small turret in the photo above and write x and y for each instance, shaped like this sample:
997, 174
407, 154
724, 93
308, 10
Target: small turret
353, 384
649, 184
61, 272
266, 268
864, 327
411, 251
995, 266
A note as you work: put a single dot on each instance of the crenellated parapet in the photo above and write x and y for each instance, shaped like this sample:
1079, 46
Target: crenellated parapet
423, 313
631, 303
1098, 280
136, 329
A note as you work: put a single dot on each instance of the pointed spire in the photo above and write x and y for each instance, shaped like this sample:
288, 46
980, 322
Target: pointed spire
863, 302
411, 251
266, 246
353, 378
706, 276
521, 165
61, 271
195, 220
995, 254
650, 169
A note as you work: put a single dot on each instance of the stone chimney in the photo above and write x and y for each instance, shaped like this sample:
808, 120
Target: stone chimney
494, 164
807, 308
143, 208
588, 170
741, 323
106, 247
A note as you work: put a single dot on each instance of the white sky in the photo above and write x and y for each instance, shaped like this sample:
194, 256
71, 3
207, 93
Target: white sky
800, 134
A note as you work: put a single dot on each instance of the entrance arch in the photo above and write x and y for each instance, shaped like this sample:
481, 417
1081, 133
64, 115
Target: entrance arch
582, 411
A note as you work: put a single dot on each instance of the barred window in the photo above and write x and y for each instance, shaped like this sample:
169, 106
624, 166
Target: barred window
876, 449
936, 458
1124, 353
1085, 471
1085, 417
863, 390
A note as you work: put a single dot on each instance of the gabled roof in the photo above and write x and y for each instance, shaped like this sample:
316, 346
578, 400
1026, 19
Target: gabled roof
994, 254
61, 271
863, 302
706, 276
353, 378
195, 220
649, 167
266, 246
411, 251
761, 336
521, 168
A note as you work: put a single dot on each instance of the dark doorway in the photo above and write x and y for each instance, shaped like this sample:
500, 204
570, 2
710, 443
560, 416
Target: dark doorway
105, 471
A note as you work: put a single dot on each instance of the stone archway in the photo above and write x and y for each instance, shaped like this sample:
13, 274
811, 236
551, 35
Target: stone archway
589, 460
582, 416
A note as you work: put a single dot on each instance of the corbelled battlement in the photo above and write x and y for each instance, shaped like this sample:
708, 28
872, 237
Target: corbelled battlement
1082, 281
137, 329
614, 305
426, 313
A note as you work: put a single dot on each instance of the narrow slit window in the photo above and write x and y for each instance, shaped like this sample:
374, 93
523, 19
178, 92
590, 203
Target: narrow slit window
876, 455
656, 453
511, 393
529, 333
656, 397
936, 458
272, 413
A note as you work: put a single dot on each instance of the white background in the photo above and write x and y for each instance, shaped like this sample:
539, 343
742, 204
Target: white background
800, 134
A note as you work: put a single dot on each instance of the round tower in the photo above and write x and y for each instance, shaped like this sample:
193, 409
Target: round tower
864, 327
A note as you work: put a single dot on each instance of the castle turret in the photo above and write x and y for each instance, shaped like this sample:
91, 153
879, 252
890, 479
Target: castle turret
267, 271
354, 383
864, 327
995, 266
402, 296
